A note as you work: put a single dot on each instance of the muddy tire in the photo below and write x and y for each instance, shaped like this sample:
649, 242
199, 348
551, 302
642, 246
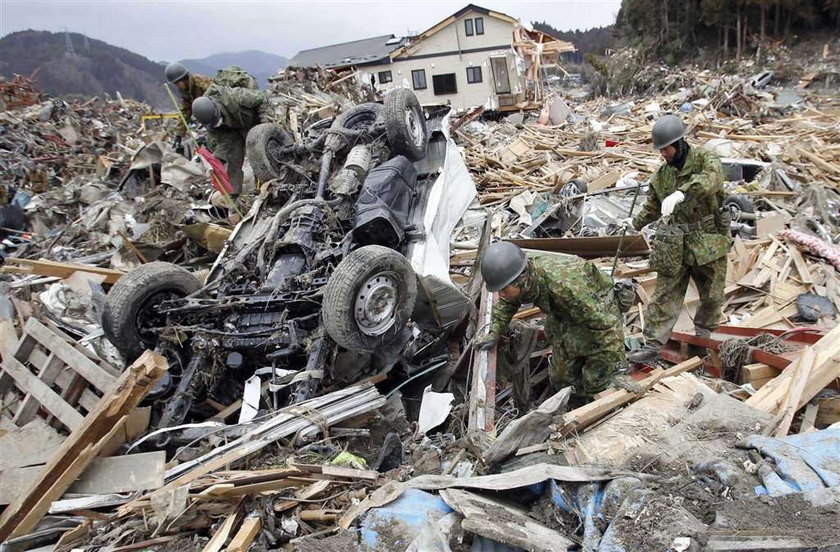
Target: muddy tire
129, 304
405, 124
358, 117
369, 298
737, 204
260, 144
573, 188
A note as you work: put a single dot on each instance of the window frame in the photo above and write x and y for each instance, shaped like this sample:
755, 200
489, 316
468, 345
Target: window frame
379, 77
471, 71
469, 27
415, 72
454, 82
476, 25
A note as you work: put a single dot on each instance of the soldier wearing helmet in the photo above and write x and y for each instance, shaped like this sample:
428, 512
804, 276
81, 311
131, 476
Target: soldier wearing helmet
228, 114
190, 87
582, 320
693, 237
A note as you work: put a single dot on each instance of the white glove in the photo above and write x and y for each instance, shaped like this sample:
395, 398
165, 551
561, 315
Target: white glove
626, 223
670, 203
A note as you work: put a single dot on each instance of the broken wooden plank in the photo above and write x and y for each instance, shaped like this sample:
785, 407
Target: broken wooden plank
806, 424
771, 398
498, 521
76, 452
590, 248
580, 418
758, 370
243, 538
829, 411
338, 471
220, 537
804, 367
44, 267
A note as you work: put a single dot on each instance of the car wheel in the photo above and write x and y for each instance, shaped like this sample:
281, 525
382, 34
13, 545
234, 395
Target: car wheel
573, 188
129, 306
738, 204
369, 298
358, 117
260, 146
405, 124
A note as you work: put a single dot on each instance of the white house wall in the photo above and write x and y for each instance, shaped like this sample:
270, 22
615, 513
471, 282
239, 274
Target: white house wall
438, 55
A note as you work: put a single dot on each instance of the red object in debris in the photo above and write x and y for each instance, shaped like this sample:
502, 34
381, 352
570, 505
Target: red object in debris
221, 180
612, 143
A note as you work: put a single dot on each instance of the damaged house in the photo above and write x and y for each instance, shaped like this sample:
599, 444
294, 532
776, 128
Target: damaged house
474, 57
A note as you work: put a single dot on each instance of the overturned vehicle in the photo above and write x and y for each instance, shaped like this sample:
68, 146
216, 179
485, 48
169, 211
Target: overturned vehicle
338, 271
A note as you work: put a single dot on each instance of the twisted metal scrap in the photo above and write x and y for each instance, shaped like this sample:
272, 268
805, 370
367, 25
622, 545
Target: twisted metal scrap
735, 353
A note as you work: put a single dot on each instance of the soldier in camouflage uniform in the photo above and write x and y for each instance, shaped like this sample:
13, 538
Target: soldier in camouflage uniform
229, 113
190, 87
693, 239
582, 321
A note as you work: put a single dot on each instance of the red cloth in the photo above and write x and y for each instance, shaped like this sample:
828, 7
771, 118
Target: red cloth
220, 178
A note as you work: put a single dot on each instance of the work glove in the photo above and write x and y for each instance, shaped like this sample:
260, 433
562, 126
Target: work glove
623, 381
626, 224
671, 202
483, 342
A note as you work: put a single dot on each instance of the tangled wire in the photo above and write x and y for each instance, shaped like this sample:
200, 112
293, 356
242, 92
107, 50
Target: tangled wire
735, 353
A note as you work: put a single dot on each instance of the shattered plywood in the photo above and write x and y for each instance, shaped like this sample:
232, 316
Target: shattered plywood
639, 424
503, 523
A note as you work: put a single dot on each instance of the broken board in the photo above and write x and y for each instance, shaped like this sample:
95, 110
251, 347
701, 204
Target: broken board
503, 523
590, 248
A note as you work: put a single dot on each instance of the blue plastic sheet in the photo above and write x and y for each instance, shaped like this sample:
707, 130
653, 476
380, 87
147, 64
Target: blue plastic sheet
410, 511
802, 462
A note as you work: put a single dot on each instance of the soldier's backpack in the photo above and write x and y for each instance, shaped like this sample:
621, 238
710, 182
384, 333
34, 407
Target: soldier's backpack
235, 77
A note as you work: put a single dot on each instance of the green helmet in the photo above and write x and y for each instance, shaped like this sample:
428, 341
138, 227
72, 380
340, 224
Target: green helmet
175, 72
667, 130
501, 264
206, 111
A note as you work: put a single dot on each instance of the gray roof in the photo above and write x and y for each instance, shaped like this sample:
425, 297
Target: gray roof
357, 52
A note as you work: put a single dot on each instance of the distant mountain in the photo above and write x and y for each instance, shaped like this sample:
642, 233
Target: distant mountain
95, 68
260, 64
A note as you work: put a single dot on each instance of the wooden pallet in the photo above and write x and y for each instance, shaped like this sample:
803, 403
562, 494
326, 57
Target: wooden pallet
49, 376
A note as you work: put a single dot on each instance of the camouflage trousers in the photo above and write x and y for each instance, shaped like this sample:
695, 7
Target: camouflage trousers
587, 359
230, 149
666, 303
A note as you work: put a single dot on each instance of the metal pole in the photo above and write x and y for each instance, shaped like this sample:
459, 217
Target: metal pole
624, 230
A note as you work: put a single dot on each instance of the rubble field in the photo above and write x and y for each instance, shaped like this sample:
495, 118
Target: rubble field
294, 372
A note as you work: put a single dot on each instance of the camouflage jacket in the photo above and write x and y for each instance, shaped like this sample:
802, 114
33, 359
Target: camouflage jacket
570, 291
197, 85
701, 180
242, 108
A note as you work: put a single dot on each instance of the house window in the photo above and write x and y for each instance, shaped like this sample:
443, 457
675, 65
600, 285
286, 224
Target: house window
444, 84
468, 27
479, 25
418, 79
385, 77
473, 74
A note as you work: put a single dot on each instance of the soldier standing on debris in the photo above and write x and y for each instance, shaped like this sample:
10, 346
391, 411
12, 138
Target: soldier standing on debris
229, 113
693, 237
582, 319
190, 87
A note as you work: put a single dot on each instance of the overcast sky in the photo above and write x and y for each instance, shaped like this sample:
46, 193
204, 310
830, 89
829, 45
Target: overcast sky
165, 30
